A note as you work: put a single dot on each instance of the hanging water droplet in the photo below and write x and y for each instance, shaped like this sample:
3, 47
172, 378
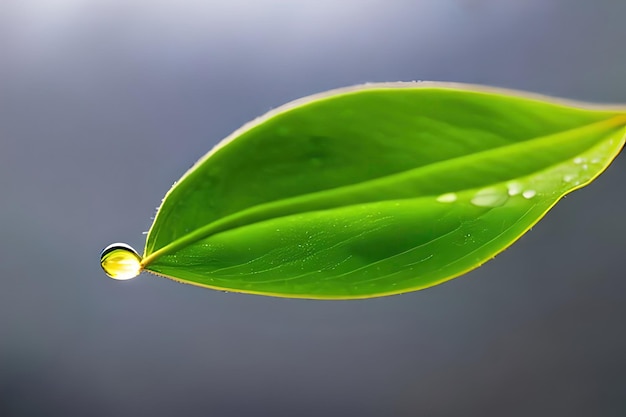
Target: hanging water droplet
528, 194
120, 261
490, 197
447, 198
514, 188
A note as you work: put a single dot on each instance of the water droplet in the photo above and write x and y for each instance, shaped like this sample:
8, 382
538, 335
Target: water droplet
585, 167
447, 198
514, 188
490, 197
596, 160
120, 261
579, 160
568, 177
528, 194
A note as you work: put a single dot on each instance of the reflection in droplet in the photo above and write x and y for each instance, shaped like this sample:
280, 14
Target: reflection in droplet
120, 261
514, 188
528, 194
447, 198
490, 197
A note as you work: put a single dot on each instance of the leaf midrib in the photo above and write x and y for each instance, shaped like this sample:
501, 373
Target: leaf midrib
262, 212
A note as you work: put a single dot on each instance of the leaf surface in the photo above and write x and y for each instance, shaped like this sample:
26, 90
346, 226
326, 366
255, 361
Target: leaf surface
376, 190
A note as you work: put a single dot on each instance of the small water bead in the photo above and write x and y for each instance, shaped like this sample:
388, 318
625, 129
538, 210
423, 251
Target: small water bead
120, 261
528, 194
579, 160
514, 188
490, 197
568, 177
447, 198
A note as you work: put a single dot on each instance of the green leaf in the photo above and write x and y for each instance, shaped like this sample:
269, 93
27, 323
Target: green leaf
376, 190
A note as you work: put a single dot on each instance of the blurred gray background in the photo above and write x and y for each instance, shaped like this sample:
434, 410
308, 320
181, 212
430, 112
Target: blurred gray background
104, 104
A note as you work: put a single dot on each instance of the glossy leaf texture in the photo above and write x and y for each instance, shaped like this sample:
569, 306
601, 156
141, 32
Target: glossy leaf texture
377, 189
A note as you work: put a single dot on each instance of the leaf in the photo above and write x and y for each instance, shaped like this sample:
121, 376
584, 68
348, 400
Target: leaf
376, 190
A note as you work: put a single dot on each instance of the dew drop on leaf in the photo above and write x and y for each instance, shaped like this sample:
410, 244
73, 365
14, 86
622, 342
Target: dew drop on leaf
514, 188
490, 197
447, 198
120, 261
